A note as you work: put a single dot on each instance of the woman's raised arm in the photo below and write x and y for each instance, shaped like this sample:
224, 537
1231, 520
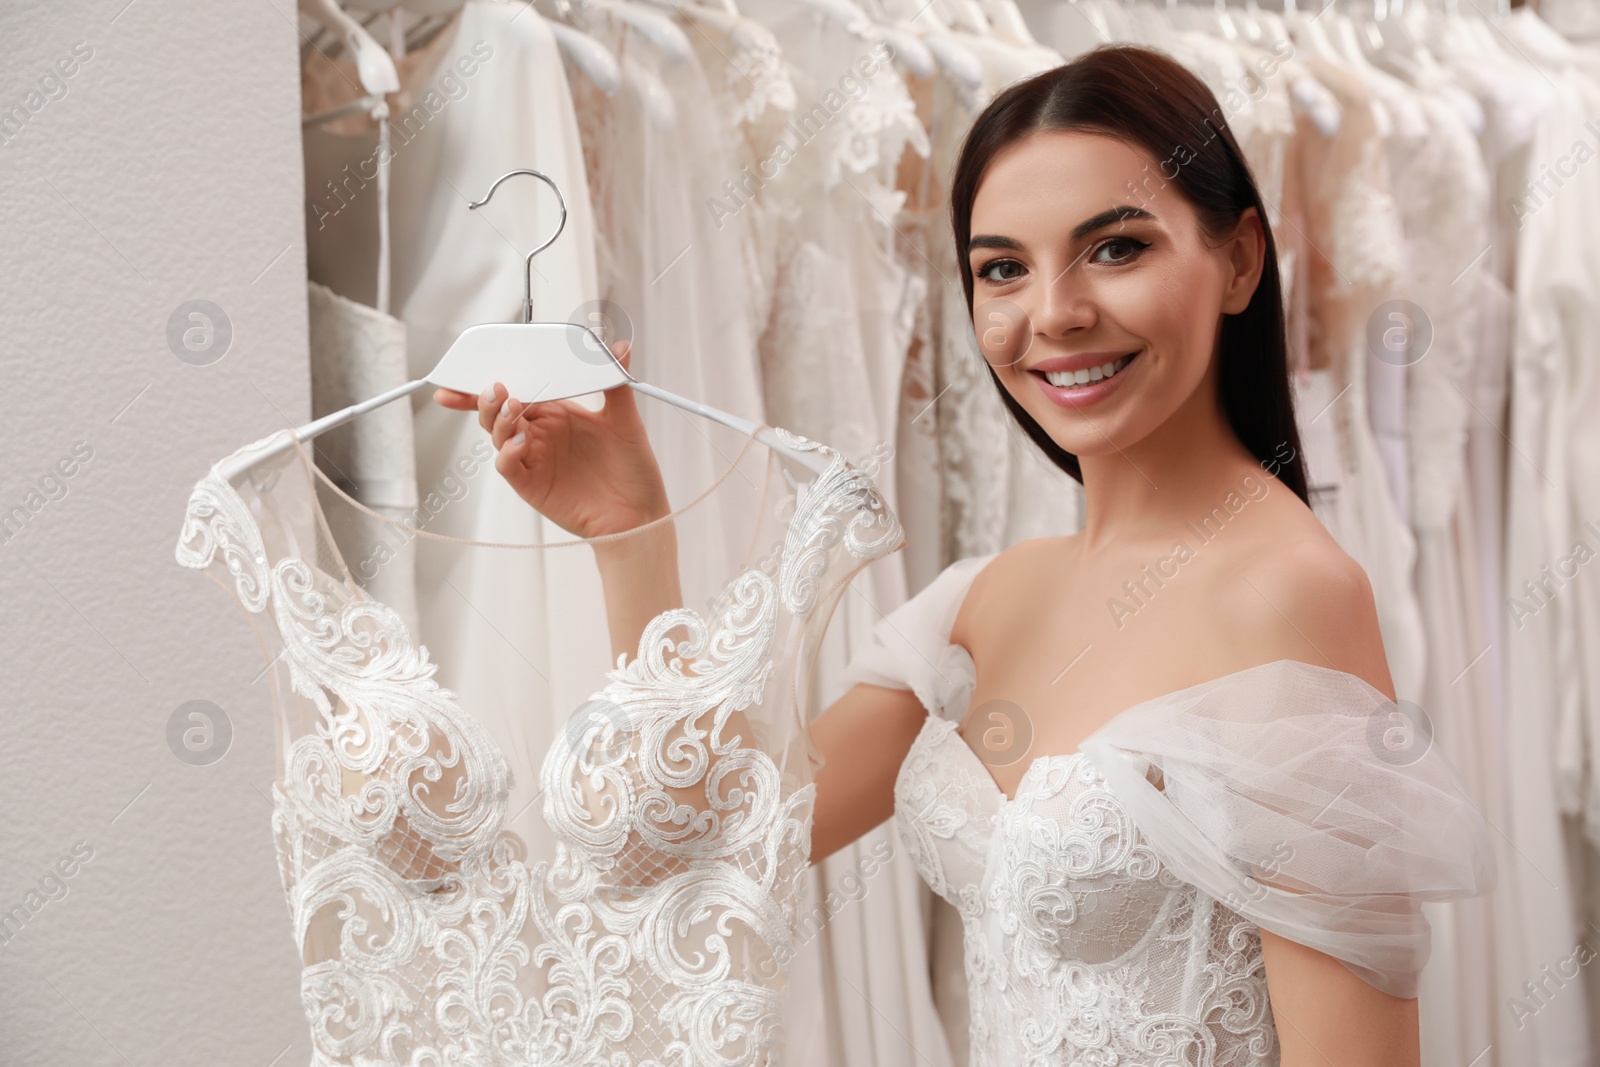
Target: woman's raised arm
594, 473
863, 737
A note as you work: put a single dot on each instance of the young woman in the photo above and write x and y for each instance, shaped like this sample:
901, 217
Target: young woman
1124, 289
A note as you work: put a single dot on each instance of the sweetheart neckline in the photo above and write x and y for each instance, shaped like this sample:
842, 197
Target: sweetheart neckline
955, 725
954, 733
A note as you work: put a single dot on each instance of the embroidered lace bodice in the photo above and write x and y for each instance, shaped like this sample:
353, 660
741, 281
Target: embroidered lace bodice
1112, 908
462, 892
1077, 937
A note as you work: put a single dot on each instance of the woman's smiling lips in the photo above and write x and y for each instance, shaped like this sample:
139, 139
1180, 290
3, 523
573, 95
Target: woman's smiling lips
1087, 374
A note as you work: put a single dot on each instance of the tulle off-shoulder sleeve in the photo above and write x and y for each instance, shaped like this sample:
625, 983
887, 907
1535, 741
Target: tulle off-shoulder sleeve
911, 649
1280, 794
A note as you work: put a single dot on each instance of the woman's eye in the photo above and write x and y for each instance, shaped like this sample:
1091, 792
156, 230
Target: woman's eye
989, 270
1131, 247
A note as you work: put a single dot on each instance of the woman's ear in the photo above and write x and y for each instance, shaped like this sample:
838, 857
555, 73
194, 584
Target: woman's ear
1247, 251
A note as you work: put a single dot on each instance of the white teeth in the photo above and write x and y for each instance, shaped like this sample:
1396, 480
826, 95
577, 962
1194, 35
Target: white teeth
1068, 378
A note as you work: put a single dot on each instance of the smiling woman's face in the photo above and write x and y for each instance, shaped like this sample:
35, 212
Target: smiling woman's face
1096, 295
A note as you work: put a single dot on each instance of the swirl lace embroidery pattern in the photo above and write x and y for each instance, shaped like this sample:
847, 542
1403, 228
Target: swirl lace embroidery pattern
425, 936
1080, 946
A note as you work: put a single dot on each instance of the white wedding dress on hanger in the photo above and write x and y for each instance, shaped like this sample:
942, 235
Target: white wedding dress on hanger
1441, 188
1550, 617
623, 892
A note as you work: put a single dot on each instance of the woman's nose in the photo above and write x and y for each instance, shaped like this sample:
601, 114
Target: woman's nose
1062, 305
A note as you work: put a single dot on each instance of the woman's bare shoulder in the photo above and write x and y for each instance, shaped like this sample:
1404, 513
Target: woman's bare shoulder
1301, 596
998, 582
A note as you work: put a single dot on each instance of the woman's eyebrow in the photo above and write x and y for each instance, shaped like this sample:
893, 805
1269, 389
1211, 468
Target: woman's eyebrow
989, 240
1108, 217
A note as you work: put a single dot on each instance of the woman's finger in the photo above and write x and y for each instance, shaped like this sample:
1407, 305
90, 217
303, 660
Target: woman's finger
619, 398
508, 422
489, 407
511, 458
454, 400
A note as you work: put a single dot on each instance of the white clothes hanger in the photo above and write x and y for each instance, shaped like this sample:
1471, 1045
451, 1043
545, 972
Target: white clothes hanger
379, 76
1273, 27
967, 15
598, 63
1400, 41
844, 12
420, 7
1347, 41
1222, 22
958, 61
657, 28
921, 17
588, 55
601, 65
1309, 95
869, 22
1309, 32
1250, 22
690, 8
374, 66
932, 30
536, 361
909, 50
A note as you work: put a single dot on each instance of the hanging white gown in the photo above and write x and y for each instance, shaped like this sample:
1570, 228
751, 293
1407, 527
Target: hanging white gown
657, 926
1548, 655
820, 188
1512, 96
1440, 187
358, 352
672, 274
970, 478
1556, 283
1353, 237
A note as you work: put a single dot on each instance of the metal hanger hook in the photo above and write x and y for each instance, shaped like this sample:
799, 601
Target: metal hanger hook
527, 273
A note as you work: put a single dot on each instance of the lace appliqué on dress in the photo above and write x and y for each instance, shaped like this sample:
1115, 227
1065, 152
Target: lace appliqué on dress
1080, 946
659, 932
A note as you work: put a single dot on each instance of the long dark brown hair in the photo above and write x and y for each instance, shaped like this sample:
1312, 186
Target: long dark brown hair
1147, 99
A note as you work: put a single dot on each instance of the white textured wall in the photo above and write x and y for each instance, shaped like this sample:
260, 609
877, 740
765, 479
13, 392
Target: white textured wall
165, 169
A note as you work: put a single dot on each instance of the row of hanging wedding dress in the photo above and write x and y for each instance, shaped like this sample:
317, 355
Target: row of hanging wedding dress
831, 357
1549, 623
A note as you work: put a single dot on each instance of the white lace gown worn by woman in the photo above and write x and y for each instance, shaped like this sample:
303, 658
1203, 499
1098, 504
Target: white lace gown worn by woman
1112, 906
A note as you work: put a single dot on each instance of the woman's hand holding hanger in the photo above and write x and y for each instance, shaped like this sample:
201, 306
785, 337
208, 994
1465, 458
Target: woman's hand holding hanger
593, 473
590, 472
